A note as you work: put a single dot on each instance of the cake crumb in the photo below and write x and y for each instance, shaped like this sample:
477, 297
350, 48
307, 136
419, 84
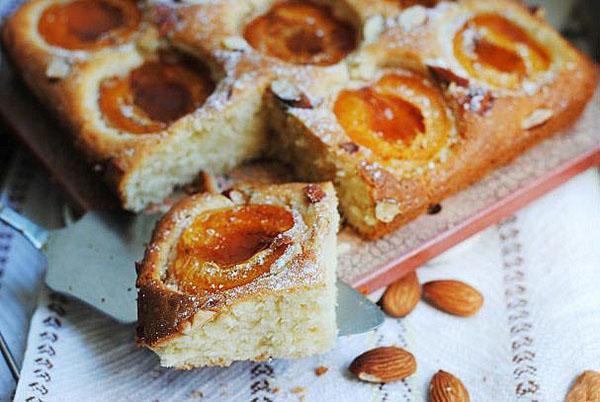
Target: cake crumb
298, 390
319, 371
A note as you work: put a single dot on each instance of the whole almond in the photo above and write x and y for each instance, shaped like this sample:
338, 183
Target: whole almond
586, 388
401, 297
444, 387
453, 297
384, 364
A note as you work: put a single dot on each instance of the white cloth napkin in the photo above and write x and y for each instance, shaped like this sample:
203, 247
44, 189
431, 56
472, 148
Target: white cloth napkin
26, 189
539, 327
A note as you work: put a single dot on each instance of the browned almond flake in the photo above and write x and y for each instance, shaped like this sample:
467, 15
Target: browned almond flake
314, 193
453, 297
290, 95
384, 364
444, 387
447, 76
319, 371
401, 297
349, 147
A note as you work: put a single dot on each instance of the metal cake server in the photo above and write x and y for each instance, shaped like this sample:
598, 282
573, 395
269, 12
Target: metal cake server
93, 259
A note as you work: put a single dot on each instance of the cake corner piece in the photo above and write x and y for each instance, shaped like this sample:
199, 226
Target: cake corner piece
248, 276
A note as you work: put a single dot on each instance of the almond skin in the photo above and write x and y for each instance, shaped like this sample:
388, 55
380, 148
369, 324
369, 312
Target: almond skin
444, 387
453, 297
586, 388
401, 297
384, 364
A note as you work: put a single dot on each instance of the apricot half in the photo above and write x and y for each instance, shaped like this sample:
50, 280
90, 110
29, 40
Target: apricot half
216, 251
88, 24
388, 116
154, 95
494, 49
301, 33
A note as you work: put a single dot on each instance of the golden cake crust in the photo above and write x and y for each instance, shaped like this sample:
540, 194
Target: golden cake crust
165, 311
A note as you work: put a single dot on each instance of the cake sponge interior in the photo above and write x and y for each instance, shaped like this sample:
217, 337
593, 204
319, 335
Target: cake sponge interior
290, 324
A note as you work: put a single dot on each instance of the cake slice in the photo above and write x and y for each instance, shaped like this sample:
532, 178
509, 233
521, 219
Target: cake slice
245, 276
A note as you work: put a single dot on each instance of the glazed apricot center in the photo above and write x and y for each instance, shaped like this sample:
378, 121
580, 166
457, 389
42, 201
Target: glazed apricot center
492, 48
301, 33
386, 117
88, 24
216, 251
154, 95
390, 117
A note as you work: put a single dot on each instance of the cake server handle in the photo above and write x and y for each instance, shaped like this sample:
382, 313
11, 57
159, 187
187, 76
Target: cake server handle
9, 358
35, 234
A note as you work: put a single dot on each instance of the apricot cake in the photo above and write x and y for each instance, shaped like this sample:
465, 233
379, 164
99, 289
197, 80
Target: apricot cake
250, 275
399, 103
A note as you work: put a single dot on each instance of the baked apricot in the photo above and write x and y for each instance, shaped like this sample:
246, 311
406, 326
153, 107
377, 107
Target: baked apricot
154, 95
88, 24
424, 3
395, 116
230, 247
494, 49
301, 33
